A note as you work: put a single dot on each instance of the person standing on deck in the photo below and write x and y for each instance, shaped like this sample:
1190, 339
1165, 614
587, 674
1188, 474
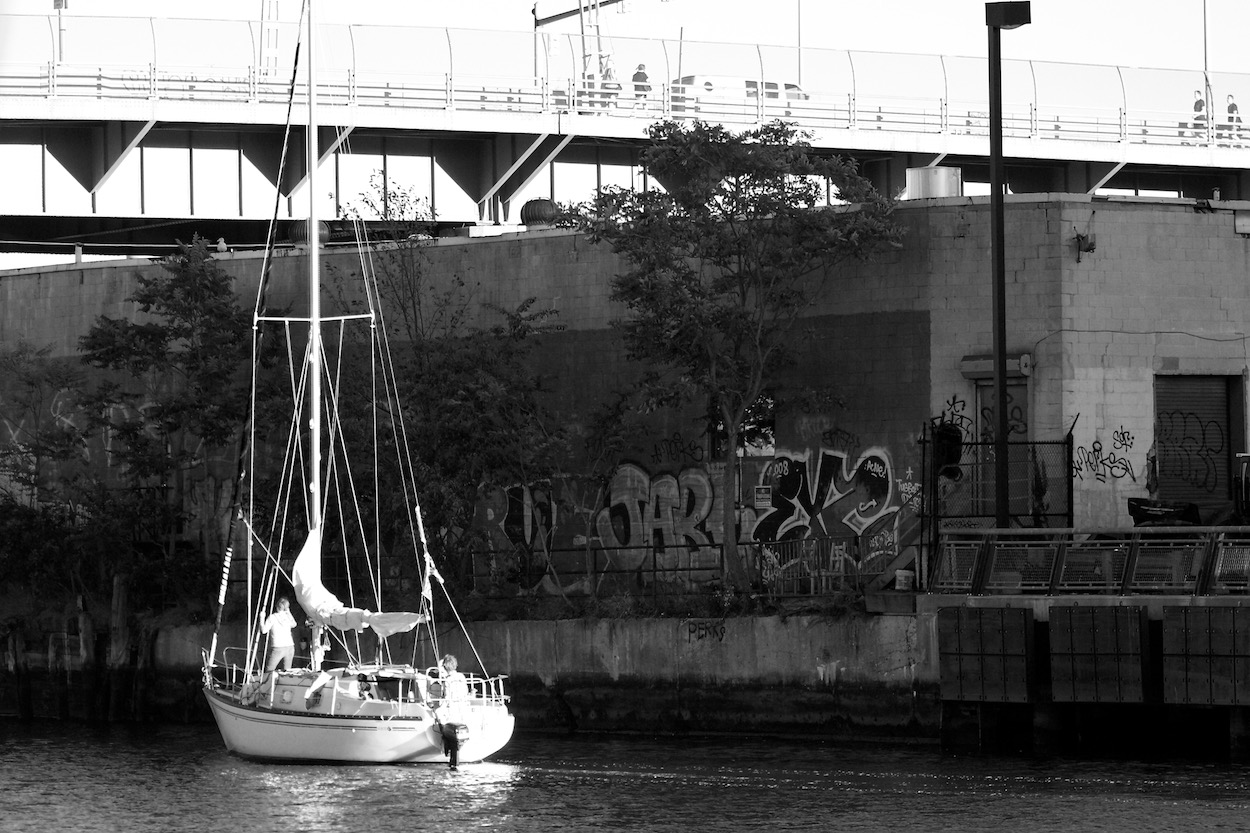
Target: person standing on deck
641, 86
279, 625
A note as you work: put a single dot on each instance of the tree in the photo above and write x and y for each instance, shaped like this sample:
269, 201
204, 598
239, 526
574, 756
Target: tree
723, 262
473, 404
43, 442
180, 390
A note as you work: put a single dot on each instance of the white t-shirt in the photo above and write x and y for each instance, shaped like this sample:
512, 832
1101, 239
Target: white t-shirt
279, 625
455, 686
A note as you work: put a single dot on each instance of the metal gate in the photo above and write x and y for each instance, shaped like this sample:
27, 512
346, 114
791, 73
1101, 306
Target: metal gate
961, 486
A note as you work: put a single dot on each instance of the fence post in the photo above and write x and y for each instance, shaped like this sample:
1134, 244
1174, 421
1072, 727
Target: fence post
594, 572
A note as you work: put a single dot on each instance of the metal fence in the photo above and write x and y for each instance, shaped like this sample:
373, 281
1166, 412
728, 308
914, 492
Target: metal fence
369, 66
1191, 561
779, 569
963, 483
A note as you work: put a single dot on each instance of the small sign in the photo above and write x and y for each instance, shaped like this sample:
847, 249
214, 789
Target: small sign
60, 4
763, 497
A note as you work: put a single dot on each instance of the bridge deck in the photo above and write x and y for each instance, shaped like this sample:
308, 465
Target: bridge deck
484, 120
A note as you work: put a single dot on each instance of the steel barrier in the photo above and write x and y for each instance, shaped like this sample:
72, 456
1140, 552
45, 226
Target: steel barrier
1167, 560
370, 66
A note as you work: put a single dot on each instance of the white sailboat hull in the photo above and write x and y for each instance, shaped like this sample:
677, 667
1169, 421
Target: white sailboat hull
255, 731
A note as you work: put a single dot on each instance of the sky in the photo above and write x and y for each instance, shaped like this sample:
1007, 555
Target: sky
1141, 33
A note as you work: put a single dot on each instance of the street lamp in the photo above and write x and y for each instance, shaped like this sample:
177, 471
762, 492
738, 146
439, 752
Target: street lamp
999, 16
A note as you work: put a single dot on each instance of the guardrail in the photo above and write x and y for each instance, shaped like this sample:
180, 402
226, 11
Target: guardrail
1196, 561
815, 109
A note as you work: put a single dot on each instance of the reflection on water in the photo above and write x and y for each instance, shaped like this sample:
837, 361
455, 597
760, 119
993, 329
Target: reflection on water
179, 778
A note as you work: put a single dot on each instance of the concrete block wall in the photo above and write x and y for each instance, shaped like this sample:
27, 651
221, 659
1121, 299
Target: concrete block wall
1165, 291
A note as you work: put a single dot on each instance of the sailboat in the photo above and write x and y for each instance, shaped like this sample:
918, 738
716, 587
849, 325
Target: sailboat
383, 708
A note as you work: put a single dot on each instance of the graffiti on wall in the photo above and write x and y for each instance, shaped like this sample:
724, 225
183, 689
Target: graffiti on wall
698, 630
641, 514
669, 512
677, 449
1104, 464
1190, 449
858, 494
955, 412
636, 514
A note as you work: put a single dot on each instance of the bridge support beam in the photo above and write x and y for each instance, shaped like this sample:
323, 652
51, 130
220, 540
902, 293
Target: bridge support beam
120, 138
522, 168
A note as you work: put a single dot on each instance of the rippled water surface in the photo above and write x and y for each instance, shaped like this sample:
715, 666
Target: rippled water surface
179, 778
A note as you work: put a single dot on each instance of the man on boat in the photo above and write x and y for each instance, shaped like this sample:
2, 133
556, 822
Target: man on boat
319, 645
455, 693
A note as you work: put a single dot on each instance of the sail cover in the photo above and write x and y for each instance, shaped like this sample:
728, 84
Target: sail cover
325, 608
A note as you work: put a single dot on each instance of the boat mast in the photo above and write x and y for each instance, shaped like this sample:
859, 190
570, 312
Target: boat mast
314, 295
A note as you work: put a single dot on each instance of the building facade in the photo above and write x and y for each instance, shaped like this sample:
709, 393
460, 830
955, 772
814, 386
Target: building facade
1127, 323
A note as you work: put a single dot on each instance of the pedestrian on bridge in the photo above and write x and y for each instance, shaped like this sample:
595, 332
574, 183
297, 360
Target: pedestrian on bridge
641, 86
1200, 115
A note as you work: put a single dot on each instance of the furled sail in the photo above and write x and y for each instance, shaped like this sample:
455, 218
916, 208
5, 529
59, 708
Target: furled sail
325, 608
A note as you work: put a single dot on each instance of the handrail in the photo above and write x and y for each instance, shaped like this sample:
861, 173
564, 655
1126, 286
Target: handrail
1172, 560
515, 95
842, 95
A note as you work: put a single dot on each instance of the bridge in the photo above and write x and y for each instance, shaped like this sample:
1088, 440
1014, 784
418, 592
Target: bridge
119, 135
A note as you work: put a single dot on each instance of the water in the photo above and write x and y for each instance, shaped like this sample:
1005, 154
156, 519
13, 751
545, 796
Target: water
179, 778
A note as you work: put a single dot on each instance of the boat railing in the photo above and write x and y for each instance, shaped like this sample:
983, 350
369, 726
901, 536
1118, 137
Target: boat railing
481, 690
487, 690
230, 674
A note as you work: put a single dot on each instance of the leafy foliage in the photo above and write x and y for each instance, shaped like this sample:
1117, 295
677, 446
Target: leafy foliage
176, 391
184, 369
473, 405
723, 262
44, 447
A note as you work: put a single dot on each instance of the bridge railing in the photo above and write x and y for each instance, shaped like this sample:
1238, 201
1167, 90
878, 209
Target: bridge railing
823, 110
462, 70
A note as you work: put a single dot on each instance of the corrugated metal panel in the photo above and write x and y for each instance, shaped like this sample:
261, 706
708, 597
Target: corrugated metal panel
1193, 439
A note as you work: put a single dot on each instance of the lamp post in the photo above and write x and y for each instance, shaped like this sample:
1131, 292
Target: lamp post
999, 16
60, 5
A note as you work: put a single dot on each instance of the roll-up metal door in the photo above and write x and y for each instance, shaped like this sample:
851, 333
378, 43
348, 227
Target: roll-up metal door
1193, 440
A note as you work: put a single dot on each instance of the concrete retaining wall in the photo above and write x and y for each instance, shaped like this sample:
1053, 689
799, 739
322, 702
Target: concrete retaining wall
856, 676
